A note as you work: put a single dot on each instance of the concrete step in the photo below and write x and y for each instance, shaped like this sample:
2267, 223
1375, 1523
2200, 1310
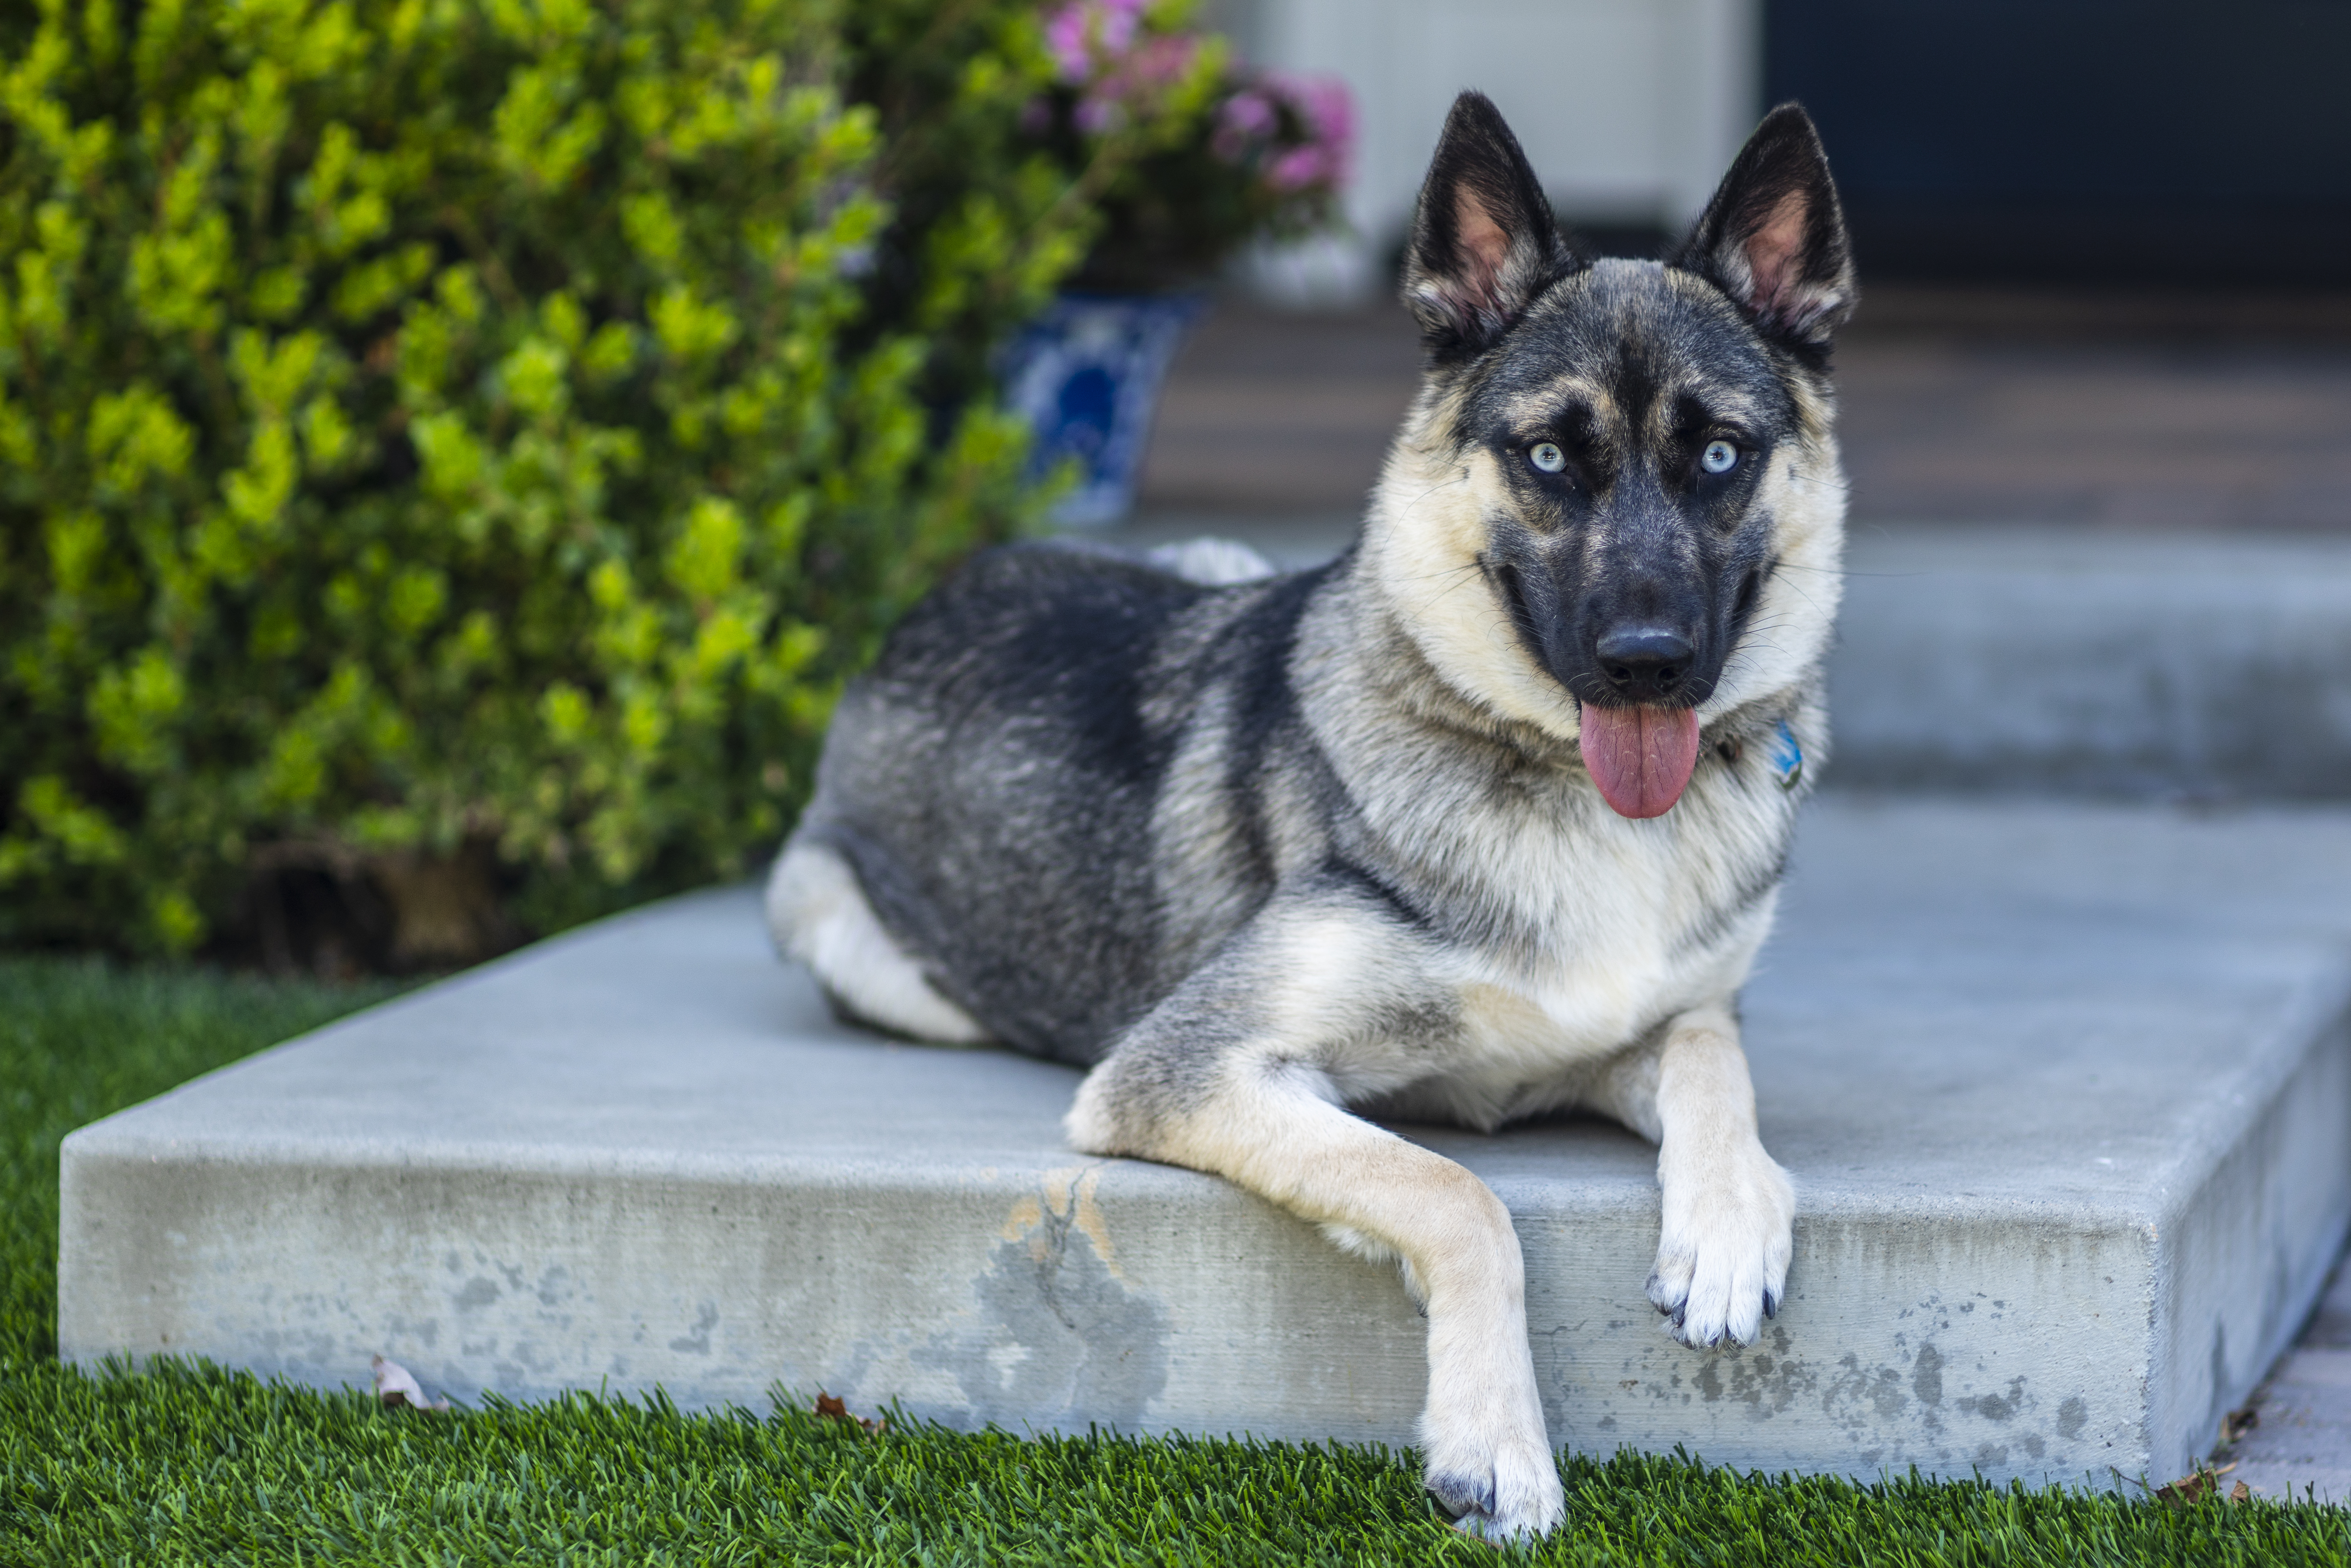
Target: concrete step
2023, 660
2016, 660
2299, 1447
2065, 1090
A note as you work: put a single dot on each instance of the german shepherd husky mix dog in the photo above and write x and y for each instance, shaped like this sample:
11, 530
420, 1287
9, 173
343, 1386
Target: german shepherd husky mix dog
1483, 820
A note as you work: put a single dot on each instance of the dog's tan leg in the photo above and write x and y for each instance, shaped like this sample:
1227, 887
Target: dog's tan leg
1240, 1073
1729, 1209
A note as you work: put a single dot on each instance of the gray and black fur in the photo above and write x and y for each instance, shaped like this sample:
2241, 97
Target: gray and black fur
1268, 854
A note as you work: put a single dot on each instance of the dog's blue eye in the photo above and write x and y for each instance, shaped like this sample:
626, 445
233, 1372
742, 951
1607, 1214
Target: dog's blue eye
1719, 457
1547, 456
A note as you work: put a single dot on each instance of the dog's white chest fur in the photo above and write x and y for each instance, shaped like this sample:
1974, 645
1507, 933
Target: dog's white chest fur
1604, 929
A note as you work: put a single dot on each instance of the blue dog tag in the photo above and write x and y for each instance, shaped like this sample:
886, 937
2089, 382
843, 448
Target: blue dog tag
1787, 757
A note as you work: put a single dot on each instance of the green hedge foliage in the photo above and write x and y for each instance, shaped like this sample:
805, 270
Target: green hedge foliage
434, 428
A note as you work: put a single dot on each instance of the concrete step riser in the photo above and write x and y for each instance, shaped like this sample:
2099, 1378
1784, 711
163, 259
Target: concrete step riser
2027, 662
1106, 1294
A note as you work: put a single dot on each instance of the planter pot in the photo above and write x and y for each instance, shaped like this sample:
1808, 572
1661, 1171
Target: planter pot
1087, 375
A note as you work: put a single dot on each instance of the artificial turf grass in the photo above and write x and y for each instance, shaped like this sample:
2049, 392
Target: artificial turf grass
188, 1463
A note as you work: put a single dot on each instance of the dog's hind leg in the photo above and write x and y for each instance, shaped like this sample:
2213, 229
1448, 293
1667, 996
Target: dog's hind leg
1729, 1209
818, 914
1241, 1071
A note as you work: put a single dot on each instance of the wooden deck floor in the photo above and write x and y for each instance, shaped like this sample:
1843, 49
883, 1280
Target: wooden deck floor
2163, 413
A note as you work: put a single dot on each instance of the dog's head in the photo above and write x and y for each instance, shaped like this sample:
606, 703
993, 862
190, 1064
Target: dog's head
1616, 509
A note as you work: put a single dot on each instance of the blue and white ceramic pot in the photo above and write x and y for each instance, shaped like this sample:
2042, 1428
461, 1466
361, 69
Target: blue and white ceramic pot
1087, 374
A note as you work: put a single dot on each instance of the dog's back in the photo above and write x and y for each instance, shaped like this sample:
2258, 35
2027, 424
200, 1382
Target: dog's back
996, 783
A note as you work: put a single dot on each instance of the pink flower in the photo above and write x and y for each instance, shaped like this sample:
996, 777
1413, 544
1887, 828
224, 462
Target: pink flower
1329, 111
1248, 113
1065, 35
1085, 33
1119, 19
1244, 121
1298, 168
1163, 61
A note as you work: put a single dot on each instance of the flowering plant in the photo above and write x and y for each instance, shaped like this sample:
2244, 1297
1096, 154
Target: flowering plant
1235, 153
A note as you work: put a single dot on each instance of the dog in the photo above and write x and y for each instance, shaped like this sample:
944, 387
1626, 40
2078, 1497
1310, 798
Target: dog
1483, 820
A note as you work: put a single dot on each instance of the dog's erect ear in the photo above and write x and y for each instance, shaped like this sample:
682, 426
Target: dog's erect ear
1483, 241
1773, 238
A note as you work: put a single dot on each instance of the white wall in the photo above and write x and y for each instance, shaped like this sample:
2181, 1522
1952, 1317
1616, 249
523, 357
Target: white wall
1630, 110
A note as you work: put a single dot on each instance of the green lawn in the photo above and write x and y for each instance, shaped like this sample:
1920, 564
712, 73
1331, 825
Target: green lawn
188, 1464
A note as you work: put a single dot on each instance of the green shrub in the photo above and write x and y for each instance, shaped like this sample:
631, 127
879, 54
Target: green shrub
461, 445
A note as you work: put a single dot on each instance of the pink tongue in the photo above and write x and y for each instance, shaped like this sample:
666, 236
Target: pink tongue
1640, 757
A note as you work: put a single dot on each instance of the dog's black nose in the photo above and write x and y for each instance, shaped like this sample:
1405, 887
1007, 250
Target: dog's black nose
1644, 661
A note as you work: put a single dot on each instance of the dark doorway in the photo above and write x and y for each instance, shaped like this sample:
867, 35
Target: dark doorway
2099, 142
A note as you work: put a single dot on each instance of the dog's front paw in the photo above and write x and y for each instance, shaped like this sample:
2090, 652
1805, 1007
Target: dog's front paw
1722, 1258
1497, 1479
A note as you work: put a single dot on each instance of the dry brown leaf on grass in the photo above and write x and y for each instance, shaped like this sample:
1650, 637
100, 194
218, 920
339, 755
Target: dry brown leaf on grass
2184, 1490
833, 1409
396, 1387
2200, 1485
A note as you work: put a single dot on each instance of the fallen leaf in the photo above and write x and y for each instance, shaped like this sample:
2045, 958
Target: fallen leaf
2194, 1488
2237, 1422
2240, 1492
833, 1409
396, 1387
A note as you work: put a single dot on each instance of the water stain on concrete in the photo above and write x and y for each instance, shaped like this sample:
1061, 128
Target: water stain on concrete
1886, 1395
1765, 1382
1060, 1333
400, 1331
1994, 1406
1927, 1376
1895, 1412
1857, 1393
1770, 1380
698, 1342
